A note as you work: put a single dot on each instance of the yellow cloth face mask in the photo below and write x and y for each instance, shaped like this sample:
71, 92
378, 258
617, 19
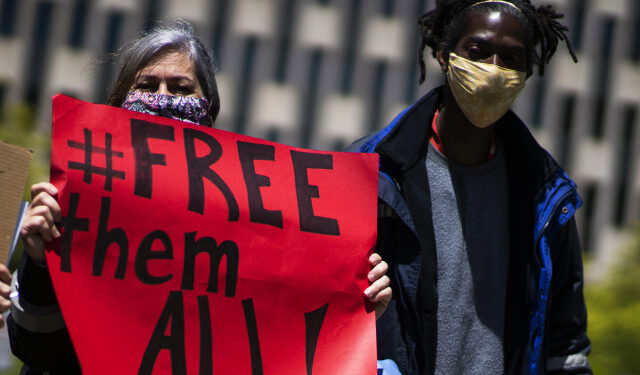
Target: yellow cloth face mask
484, 92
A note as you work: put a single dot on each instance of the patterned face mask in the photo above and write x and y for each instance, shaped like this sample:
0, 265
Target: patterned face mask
183, 108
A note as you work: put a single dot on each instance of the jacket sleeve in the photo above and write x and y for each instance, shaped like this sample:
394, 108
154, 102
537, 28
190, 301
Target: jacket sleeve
389, 337
396, 331
37, 332
568, 344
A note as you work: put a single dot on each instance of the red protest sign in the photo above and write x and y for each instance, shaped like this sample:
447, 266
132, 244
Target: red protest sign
189, 250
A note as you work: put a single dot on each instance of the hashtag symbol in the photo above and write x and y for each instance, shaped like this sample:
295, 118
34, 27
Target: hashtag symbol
87, 166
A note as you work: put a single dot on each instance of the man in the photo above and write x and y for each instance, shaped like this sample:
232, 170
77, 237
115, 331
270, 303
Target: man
476, 219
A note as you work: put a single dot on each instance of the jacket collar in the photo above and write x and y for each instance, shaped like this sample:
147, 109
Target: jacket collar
405, 140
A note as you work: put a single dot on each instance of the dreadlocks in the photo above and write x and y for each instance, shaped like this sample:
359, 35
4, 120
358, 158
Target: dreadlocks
443, 27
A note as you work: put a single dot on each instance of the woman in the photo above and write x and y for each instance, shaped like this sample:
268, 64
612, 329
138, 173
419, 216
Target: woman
166, 72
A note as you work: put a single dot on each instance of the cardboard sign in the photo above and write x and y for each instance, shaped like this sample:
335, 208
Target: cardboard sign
14, 169
189, 250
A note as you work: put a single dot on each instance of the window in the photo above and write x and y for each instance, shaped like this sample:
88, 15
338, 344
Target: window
8, 15
624, 163
567, 124
42, 24
604, 65
78, 23
112, 40
635, 34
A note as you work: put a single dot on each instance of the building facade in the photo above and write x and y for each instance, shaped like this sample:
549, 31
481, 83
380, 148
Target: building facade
322, 73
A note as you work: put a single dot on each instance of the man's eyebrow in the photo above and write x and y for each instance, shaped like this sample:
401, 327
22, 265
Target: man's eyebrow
478, 39
483, 41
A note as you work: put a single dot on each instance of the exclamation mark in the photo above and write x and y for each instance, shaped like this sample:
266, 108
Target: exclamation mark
313, 324
252, 330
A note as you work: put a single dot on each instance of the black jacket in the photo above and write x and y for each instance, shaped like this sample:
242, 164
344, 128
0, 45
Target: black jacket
49, 353
545, 327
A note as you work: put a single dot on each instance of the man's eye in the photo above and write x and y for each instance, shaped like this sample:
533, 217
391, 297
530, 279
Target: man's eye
515, 62
510, 57
475, 53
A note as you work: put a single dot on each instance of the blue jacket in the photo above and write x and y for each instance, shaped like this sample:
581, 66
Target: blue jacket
545, 328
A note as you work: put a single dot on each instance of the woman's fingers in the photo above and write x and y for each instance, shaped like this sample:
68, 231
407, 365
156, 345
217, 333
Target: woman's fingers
379, 269
375, 289
47, 200
40, 187
39, 225
379, 292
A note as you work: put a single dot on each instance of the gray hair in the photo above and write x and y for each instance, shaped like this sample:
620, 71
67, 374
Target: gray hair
166, 36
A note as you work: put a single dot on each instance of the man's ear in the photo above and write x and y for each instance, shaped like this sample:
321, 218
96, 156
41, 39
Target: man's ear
443, 59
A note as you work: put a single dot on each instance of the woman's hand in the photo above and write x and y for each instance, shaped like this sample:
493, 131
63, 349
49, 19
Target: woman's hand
379, 292
39, 226
5, 290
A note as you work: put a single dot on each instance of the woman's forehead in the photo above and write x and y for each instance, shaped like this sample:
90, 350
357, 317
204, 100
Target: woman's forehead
174, 62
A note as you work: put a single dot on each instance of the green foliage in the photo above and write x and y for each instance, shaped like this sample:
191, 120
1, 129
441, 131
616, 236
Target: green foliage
12, 370
18, 127
614, 315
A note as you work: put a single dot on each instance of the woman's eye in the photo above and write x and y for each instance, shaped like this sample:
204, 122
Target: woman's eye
143, 86
183, 89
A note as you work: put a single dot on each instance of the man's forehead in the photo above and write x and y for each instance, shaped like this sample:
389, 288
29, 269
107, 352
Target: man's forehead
494, 22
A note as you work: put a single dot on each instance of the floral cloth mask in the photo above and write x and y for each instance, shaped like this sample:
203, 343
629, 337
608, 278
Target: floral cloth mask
183, 108
484, 92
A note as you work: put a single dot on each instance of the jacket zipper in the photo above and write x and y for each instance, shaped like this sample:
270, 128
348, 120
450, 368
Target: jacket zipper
547, 222
557, 205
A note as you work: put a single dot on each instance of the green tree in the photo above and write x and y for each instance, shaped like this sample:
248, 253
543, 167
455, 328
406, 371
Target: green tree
614, 315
